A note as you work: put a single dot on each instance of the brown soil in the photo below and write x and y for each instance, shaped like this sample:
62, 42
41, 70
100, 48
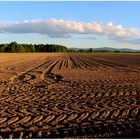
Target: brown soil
59, 95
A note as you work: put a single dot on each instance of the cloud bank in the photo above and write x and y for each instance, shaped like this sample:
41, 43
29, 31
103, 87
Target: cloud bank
65, 28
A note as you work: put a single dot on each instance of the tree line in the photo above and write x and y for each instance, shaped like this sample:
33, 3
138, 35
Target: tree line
14, 47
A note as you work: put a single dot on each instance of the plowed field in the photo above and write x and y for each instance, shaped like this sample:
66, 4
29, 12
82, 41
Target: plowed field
98, 95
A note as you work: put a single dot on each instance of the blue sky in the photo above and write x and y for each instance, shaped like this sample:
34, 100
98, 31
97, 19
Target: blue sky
74, 24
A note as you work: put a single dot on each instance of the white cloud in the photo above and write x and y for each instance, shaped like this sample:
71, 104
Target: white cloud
64, 28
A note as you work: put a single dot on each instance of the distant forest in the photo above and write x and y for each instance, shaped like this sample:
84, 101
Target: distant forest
14, 47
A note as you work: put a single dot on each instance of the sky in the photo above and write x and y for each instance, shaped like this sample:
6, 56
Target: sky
74, 24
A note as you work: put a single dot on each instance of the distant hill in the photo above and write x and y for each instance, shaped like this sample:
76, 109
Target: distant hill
107, 49
116, 49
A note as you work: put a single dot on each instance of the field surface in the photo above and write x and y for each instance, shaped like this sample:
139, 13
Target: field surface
97, 96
